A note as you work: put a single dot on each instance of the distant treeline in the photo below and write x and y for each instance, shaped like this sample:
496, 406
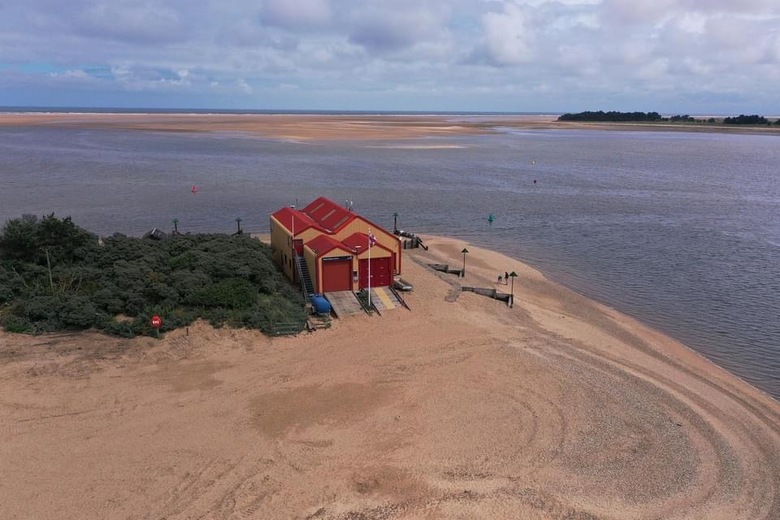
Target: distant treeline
612, 117
655, 117
748, 120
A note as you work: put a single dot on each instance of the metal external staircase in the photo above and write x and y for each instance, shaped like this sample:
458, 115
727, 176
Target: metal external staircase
307, 287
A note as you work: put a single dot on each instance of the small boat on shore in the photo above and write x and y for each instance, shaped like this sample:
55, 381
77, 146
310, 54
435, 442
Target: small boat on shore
402, 285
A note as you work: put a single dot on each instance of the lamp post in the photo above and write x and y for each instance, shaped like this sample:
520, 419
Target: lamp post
395, 223
465, 252
512, 275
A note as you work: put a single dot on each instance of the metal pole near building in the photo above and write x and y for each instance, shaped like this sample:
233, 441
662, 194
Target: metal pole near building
512, 275
369, 268
292, 241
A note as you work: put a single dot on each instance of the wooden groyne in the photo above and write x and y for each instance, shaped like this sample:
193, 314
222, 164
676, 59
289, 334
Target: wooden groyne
490, 293
445, 268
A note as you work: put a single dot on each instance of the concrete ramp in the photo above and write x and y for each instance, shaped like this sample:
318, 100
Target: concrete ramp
383, 299
344, 303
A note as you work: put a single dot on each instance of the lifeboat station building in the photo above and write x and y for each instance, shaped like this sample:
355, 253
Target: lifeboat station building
328, 248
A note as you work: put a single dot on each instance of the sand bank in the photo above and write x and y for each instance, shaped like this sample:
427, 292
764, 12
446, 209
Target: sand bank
275, 126
314, 127
460, 408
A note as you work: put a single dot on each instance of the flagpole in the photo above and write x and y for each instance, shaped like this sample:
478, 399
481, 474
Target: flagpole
292, 243
369, 268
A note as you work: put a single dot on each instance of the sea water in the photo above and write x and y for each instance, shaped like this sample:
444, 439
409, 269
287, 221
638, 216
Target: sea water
680, 230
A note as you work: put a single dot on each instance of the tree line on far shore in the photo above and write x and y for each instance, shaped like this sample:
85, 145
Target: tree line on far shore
56, 276
655, 117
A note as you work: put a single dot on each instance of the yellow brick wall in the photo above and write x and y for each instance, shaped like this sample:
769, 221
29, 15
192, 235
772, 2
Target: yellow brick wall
311, 266
280, 245
387, 239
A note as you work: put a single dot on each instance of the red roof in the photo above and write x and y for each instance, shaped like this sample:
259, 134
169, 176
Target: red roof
323, 244
328, 214
286, 216
323, 215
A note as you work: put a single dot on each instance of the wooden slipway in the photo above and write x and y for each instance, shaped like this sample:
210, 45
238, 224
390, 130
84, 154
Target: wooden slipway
344, 303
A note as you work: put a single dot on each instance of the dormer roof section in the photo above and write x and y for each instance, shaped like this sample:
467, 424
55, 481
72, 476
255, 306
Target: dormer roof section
359, 242
324, 244
287, 216
327, 214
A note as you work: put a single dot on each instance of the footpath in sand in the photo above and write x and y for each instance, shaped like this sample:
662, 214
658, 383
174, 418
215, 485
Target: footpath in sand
558, 408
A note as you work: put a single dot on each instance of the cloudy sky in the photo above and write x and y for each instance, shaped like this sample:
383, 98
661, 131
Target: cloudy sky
672, 56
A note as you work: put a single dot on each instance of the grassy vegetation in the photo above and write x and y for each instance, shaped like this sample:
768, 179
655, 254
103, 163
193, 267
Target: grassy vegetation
56, 276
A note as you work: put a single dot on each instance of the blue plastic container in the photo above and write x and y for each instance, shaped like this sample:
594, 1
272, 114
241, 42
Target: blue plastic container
320, 304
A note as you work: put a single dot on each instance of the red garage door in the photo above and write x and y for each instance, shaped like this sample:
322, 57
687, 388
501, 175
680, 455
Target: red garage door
381, 274
336, 275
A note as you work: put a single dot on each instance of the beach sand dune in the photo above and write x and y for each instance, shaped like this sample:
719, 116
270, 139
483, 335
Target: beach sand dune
557, 408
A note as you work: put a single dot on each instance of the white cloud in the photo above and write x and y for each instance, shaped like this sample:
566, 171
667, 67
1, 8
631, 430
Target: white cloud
243, 86
578, 60
654, 70
692, 22
406, 53
296, 14
507, 37
78, 74
642, 12
407, 25
138, 23
775, 49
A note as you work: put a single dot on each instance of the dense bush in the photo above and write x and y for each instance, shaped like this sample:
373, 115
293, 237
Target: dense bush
57, 276
655, 117
612, 116
742, 119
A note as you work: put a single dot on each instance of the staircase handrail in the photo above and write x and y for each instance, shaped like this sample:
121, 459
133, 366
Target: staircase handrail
304, 289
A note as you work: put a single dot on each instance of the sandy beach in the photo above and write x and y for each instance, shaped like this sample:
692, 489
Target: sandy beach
460, 408
314, 127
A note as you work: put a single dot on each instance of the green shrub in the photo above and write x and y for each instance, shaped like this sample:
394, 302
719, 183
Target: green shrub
116, 328
11, 284
233, 293
17, 324
77, 312
55, 276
